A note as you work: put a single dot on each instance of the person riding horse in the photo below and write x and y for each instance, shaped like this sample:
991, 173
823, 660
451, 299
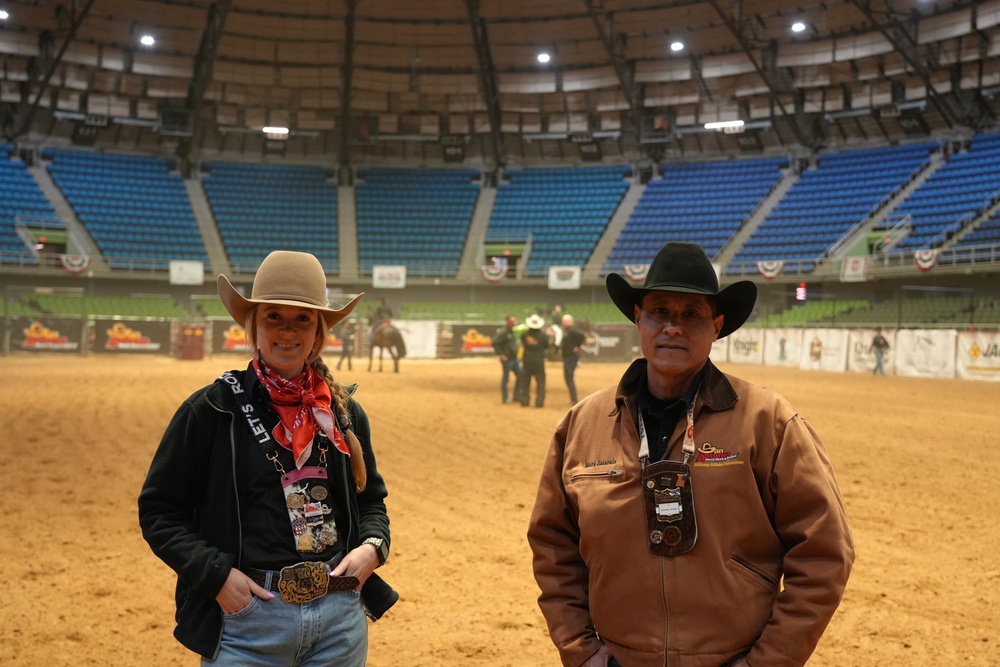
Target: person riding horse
382, 313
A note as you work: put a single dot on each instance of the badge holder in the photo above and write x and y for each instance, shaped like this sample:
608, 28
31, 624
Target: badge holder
305, 490
669, 502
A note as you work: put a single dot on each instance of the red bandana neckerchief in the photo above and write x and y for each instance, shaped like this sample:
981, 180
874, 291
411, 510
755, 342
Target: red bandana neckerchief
303, 407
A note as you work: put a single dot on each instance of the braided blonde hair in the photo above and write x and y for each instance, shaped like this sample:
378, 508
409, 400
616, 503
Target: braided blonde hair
341, 398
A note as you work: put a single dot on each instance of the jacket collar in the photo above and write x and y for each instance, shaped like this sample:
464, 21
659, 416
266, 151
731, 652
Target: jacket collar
716, 392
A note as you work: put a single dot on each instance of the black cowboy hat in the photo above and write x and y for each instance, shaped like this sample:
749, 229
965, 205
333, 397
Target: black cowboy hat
684, 267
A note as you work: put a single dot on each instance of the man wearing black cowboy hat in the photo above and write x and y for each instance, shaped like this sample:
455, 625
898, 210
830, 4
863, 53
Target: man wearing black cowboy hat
630, 573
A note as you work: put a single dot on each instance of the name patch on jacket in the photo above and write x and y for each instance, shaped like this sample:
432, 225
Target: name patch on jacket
710, 456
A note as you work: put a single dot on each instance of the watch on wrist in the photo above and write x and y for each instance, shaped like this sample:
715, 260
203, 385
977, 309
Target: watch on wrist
381, 548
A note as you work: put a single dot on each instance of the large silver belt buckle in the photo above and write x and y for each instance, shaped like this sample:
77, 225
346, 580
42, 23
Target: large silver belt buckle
303, 582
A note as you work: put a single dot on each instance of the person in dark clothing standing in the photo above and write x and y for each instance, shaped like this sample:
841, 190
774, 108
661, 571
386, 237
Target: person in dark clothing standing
348, 331
572, 338
535, 344
505, 344
264, 494
879, 346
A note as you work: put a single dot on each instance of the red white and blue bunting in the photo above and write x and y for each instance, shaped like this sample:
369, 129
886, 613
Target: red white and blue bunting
636, 272
74, 263
770, 269
926, 259
493, 273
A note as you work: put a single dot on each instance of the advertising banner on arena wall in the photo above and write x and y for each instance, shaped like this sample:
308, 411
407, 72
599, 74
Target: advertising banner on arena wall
471, 339
228, 336
824, 350
564, 277
131, 336
420, 337
978, 355
783, 347
926, 352
46, 334
720, 351
746, 346
611, 343
861, 356
389, 276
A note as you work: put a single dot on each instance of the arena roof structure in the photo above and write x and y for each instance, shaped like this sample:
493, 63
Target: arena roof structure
430, 81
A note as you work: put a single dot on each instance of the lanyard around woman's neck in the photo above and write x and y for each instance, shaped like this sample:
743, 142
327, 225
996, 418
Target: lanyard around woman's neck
687, 447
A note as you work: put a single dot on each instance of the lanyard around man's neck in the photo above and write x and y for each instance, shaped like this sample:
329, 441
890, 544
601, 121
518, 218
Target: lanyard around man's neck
688, 446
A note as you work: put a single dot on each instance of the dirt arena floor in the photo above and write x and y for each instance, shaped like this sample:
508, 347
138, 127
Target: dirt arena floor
918, 461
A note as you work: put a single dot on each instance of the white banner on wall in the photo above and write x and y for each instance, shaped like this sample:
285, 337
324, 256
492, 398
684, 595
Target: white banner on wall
389, 276
720, 351
977, 356
746, 346
824, 350
564, 277
420, 337
926, 352
186, 272
861, 357
782, 347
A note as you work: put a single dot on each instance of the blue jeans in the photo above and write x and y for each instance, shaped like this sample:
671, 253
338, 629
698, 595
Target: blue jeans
512, 365
879, 357
569, 369
331, 630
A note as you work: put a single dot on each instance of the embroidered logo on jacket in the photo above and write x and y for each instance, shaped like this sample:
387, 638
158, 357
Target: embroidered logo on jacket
710, 455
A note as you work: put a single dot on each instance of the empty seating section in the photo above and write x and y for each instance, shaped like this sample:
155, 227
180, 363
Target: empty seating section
988, 231
469, 312
135, 210
811, 312
703, 203
828, 200
960, 190
419, 218
262, 207
20, 198
565, 211
152, 306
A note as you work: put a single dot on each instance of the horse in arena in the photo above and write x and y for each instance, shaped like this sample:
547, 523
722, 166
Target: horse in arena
387, 338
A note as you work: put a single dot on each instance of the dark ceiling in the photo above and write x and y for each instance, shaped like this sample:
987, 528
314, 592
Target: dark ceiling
429, 80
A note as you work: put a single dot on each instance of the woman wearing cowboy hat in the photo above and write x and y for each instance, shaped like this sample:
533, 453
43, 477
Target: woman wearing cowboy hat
632, 570
264, 495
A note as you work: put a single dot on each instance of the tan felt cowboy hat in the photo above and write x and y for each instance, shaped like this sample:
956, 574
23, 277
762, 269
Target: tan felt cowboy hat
684, 267
286, 278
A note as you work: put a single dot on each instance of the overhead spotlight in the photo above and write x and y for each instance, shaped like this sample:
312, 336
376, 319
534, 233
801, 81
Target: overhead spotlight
274, 129
147, 40
677, 46
4, 15
798, 26
544, 57
723, 124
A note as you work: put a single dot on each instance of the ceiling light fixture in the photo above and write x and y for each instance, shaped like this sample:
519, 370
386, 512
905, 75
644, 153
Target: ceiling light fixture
723, 124
798, 26
677, 46
4, 15
544, 57
147, 40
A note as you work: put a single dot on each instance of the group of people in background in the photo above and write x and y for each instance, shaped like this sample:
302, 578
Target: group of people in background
522, 356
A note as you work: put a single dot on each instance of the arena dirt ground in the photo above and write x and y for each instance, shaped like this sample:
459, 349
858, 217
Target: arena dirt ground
917, 459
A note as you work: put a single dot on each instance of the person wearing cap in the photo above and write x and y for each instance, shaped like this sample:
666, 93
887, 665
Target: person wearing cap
264, 495
686, 517
535, 344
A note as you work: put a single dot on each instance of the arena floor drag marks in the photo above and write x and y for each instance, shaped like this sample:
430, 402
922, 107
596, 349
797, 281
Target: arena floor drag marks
916, 459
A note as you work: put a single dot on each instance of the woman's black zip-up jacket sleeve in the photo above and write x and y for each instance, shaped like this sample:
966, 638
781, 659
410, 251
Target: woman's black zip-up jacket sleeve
189, 506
